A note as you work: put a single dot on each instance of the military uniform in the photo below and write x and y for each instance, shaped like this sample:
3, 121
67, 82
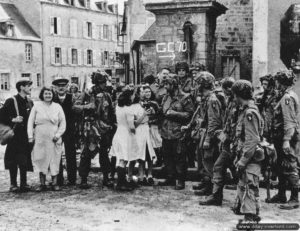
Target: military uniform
186, 85
286, 128
174, 150
211, 110
248, 136
99, 122
226, 158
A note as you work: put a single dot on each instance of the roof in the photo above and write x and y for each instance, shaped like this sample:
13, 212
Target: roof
22, 29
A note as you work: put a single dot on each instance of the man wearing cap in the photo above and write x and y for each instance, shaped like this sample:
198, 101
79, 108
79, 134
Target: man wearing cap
102, 120
177, 109
18, 150
66, 101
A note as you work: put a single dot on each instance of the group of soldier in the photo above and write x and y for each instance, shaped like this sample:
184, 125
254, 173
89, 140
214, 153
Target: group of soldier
222, 128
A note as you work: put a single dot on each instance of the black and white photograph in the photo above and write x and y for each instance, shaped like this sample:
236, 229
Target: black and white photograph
149, 115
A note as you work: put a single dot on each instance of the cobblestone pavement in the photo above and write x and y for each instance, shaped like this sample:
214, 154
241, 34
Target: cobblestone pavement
147, 208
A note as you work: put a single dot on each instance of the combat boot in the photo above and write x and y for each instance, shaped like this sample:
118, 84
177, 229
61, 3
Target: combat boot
180, 185
206, 191
106, 181
293, 203
215, 199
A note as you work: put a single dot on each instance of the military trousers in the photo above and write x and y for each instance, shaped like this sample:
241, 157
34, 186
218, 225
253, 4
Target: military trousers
287, 164
174, 157
87, 155
248, 190
224, 161
209, 157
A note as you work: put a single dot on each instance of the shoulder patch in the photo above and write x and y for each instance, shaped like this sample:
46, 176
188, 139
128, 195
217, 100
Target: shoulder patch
287, 101
249, 117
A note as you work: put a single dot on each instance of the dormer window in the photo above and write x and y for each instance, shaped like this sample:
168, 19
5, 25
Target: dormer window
10, 30
100, 6
7, 28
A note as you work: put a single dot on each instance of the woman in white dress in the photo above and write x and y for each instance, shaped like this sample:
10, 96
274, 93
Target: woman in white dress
46, 125
124, 145
145, 145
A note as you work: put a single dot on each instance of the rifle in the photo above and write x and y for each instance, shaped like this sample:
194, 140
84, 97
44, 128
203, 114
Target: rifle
268, 184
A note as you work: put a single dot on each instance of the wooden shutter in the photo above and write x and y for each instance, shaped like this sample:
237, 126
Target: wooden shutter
58, 26
51, 25
84, 29
70, 56
63, 56
79, 57
94, 58
94, 31
52, 55
102, 34
100, 58
85, 57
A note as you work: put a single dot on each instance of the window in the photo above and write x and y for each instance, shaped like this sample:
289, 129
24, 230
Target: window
26, 75
4, 81
89, 57
28, 53
105, 31
231, 67
55, 27
118, 58
106, 58
10, 30
89, 29
57, 55
72, 3
74, 56
38, 80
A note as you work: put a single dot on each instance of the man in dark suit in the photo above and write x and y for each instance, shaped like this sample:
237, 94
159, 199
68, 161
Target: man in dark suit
18, 150
66, 102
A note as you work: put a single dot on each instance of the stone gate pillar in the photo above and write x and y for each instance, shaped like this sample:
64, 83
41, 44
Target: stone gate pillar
168, 32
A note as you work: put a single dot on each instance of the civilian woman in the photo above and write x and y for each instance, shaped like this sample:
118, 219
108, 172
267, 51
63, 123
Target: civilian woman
46, 125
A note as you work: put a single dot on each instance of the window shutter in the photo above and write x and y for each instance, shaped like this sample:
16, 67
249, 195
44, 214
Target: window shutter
94, 31
70, 56
51, 25
63, 56
109, 32
85, 57
95, 58
73, 28
85, 30
52, 55
114, 36
100, 58
101, 31
58, 26
79, 57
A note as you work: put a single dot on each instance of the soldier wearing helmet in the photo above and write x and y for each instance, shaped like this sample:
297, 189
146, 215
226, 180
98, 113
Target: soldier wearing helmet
99, 124
286, 140
248, 134
211, 112
177, 109
185, 81
226, 158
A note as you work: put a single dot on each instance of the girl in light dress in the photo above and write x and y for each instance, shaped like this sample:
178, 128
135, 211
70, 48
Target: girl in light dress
146, 151
124, 144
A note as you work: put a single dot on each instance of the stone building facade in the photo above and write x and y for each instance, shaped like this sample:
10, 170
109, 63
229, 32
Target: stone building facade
167, 42
79, 39
20, 52
234, 35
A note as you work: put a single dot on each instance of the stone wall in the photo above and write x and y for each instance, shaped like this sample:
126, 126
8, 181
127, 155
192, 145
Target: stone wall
234, 35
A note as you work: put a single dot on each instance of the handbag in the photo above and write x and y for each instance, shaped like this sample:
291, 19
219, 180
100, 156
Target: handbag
6, 132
